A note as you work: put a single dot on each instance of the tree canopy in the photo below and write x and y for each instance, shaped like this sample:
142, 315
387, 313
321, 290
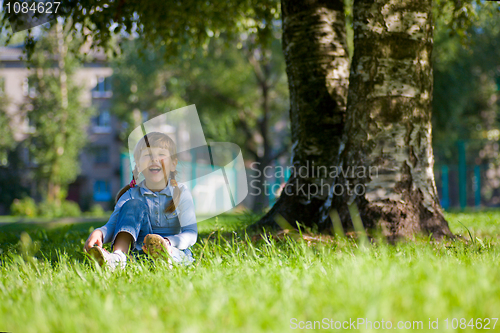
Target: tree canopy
466, 83
316, 53
58, 118
180, 26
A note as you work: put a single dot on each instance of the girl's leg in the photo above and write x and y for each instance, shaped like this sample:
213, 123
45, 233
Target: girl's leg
132, 225
123, 241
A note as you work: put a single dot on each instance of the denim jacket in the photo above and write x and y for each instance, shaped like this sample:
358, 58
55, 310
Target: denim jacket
178, 226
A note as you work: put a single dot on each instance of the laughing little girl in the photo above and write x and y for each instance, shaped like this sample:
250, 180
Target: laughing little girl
157, 215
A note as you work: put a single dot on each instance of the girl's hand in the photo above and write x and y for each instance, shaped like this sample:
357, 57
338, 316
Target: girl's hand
95, 238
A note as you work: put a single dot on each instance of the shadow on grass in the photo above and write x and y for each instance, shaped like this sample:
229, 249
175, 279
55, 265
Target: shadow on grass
54, 240
50, 240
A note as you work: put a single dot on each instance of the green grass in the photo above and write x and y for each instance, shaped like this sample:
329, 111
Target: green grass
47, 285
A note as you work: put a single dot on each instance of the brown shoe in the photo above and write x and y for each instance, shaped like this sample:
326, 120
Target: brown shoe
157, 246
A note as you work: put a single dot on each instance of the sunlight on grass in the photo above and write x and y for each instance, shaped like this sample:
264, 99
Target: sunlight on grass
47, 285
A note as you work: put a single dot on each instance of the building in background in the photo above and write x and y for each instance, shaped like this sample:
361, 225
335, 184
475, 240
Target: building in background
104, 162
100, 163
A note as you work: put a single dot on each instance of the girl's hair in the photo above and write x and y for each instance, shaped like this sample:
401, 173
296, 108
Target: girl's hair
157, 140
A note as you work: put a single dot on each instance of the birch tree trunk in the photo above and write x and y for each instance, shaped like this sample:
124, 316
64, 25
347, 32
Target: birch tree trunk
317, 66
54, 186
387, 140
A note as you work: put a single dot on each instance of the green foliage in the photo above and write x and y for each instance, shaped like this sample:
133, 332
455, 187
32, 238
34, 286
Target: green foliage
27, 207
181, 27
70, 208
52, 209
60, 123
138, 85
11, 177
49, 209
458, 17
220, 80
465, 98
96, 211
24, 207
240, 285
7, 142
184, 27
232, 80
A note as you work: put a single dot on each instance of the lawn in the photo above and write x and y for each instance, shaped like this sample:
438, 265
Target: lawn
240, 285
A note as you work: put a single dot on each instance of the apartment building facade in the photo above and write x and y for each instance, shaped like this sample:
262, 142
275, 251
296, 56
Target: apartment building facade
100, 161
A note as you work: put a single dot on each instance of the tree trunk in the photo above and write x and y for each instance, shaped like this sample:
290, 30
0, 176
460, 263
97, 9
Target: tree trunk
262, 74
317, 66
53, 193
60, 140
387, 149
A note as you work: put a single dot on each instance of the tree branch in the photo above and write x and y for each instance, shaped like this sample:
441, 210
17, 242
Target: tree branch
257, 69
220, 96
280, 152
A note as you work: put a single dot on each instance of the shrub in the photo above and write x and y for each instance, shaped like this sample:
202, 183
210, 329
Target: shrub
24, 207
49, 209
28, 208
70, 209
65, 209
97, 211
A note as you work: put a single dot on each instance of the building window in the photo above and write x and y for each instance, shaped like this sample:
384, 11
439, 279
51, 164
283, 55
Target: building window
102, 123
102, 88
102, 190
101, 154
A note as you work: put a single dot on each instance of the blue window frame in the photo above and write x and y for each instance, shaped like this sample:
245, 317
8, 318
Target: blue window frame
102, 190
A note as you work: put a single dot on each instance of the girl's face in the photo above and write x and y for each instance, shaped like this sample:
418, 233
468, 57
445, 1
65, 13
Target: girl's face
156, 165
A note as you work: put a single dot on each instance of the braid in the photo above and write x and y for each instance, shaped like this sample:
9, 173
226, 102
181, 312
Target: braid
176, 195
135, 176
121, 192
